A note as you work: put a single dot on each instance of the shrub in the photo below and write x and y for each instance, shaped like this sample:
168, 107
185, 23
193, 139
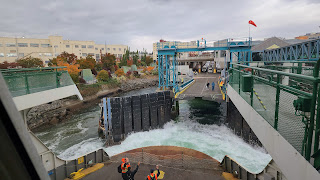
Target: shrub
81, 80
121, 79
75, 77
119, 72
154, 72
128, 73
103, 76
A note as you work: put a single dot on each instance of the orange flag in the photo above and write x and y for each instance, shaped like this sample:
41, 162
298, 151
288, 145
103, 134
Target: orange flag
252, 23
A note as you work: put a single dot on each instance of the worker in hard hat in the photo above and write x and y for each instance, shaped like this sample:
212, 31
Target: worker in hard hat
152, 175
124, 167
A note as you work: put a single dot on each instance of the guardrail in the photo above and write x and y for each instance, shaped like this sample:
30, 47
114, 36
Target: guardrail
195, 58
31, 80
290, 108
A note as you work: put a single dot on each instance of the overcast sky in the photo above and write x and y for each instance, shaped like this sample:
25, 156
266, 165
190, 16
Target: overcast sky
139, 23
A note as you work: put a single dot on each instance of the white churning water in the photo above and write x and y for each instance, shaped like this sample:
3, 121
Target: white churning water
198, 127
213, 140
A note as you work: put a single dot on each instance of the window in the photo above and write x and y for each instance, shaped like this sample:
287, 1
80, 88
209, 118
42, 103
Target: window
1, 54
91, 54
97, 56
83, 46
67, 46
40, 54
114, 49
102, 49
47, 54
90, 46
13, 51
124, 50
108, 49
21, 54
56, 54
119, 49
76, 46
45, 45
96, 48
55, 46
34, 45
84, 54
11, 45
22, 44
11, 54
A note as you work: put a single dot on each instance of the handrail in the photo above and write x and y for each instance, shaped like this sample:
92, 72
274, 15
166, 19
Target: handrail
279, 72
310, 122
32, 69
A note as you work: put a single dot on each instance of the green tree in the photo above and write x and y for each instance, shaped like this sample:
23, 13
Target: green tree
103, 76
125, 58
135, 57
149, 60
143, 58
108, 60
30, 62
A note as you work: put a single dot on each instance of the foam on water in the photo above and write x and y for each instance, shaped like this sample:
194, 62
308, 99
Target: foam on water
216, 141
78, 136
81, 149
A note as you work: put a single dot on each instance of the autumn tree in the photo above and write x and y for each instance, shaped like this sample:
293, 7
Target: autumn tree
87, 63
30, 62
7, 65
103, 76
72, 68
108, 61
65, 57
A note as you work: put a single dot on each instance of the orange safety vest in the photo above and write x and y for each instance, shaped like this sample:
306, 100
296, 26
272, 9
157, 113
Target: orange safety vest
152, 176
125, 167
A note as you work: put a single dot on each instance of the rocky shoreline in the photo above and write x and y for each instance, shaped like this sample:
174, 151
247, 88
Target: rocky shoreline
58, 111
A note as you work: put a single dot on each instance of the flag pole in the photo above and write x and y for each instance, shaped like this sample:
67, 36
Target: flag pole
249, 32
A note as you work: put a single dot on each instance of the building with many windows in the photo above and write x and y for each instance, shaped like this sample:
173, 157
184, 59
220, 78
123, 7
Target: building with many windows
177, 44
12, 49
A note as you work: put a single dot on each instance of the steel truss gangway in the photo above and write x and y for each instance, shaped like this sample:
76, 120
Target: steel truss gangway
308, 50
167, 57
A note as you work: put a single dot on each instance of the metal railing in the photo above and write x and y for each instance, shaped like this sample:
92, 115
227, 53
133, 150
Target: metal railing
278, 101
31, 80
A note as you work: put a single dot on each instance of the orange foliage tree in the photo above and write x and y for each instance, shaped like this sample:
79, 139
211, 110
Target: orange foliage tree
108, 60
87, 63
65, 57
119, 72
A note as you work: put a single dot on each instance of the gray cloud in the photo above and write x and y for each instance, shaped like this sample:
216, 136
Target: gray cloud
140, 23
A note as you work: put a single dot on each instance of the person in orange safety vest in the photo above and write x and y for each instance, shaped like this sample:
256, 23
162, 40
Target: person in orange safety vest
125, 166
153, 176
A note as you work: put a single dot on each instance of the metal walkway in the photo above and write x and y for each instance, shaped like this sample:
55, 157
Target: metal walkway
199, 90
